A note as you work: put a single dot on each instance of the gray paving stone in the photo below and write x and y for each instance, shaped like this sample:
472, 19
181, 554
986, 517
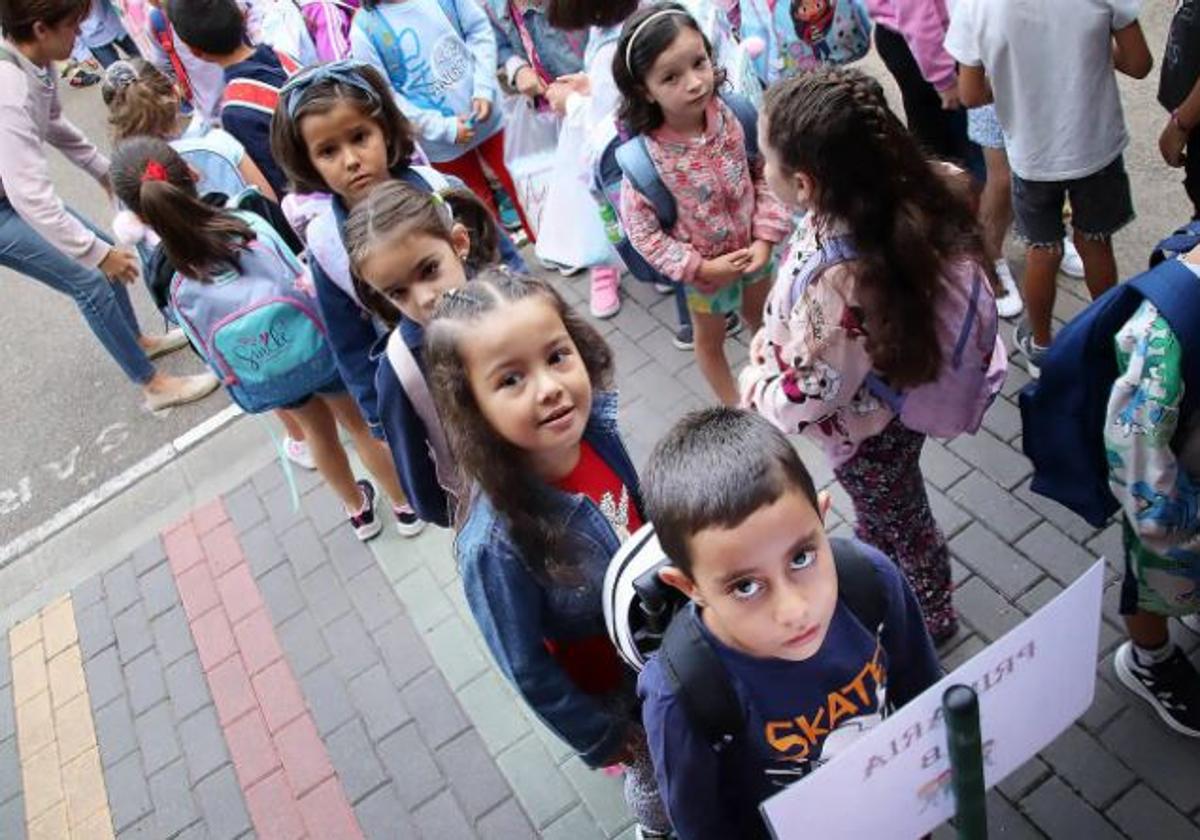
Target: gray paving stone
91, 591
457, 656
133, 632
542, 789
8, 718
327, 697
490, 707
998, 460
985, 609
1054, 551
324, 509
411, 766
990, 558
120, 587
1058, 812
1037, 597
475, 779
349, 555
114, 731
1066, 521
603, 795
1108, 703
372, 597
1087, 767
158, 590
627, 355
438, 714
172, 635
304, 548
424, 600
267, 478
635, 321
970, 646
378, 702
442, 817
128, 793
104, 679
325, 595
186, 686
302, 642
174, 807
220, 800
148, 555
939, 465
144, 678
506, 822
576, 824
993, 506
281, 514
203, 744
1005, 821
195, 831
245, 508
12, 818
261, 549
1003, 419
10, 769
1142, 813
1163, 760
950, 518
354, 759
404, 654
156, 737
5, 671
95, 629
382, 814
352, 649
281, 593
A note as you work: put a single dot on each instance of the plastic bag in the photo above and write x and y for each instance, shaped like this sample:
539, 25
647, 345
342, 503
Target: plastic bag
530, 140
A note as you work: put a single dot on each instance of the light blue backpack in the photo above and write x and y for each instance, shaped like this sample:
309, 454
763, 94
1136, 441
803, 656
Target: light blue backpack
260, 333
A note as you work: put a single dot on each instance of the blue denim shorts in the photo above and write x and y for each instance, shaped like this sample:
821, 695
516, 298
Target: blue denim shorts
333, 388
1101, 204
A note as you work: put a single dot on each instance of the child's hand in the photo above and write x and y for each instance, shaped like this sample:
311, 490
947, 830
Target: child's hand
529, 83
949, 97
481, 109
1171, 144
718, 273
557, 95
120, 265
466, 131
760, 255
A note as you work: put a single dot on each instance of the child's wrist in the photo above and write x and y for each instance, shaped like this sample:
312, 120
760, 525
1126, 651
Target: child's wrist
1177, 121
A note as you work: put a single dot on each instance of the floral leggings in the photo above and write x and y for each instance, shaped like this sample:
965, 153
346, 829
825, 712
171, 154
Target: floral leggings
885, 483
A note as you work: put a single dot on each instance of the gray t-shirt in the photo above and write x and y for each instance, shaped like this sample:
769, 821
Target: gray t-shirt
1051, 69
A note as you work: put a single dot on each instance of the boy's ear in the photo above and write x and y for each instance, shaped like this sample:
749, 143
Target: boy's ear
676, 579
460, 240
824, 503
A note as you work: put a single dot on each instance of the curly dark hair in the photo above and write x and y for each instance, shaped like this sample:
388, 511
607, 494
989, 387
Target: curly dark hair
907, 222
580, 14
486, 459
637, 112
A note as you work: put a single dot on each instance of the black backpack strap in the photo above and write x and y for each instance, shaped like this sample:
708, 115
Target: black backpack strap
700, 681
859, 586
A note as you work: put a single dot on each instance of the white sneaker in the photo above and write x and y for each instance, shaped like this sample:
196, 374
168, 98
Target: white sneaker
1072, 263
1009, 304
298, 453
1191, 622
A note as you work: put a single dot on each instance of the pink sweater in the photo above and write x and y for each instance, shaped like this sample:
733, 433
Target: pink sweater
31, 116
923, 24
723, 200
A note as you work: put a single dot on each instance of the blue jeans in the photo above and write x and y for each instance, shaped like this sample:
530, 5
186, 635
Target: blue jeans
105, 305
106, 54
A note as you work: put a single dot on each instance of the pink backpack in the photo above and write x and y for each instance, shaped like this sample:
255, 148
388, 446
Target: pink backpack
974, 360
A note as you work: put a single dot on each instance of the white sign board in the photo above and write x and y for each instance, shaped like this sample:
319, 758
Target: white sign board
894, 782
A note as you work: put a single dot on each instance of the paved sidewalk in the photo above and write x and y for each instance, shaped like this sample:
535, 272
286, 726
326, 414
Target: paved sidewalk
255, 671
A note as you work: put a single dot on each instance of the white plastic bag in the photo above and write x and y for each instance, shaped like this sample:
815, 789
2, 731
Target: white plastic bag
530, 138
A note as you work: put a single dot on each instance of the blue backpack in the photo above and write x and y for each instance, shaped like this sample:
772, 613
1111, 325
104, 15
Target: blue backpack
260, 333
1177, 244
629, 158
1063, 413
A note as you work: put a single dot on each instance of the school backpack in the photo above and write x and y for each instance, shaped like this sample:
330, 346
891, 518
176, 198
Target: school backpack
1063, 413
258, 330
160, 28
974, 361
629, 158
1184, 239
256, 95
801, 34
218, 173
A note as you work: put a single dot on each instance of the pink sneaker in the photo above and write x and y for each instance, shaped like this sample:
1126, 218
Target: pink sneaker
606, 295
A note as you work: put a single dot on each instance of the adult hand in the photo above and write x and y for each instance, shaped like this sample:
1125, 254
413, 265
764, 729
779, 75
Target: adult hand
1171, 144
949, 97
529, 83
718, 273
466, 133
120, 265
760, 255
481, 109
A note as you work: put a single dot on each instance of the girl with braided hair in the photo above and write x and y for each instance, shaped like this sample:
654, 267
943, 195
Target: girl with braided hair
832, 147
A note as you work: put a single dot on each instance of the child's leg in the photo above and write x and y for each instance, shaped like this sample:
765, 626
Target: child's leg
995, 204
470, 171
754, 302
1101, 204
709, 329
294, 430
321, 431
492, 152
892, 508
374, 452
1037, 211
1099, 263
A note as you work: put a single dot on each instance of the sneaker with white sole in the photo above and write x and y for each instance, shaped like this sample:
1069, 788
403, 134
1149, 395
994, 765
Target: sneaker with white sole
407, 521
606, 292
640, 832
685, 339
664, 288
1072, 263
298, 453
1191, 622
1034, 354
1171, 687
365, 523
1008, 305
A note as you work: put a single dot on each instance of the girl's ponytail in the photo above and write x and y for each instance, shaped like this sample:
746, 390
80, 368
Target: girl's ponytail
153, 181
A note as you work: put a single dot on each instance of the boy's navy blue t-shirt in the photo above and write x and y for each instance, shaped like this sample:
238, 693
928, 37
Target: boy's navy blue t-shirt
251, 126
798, 714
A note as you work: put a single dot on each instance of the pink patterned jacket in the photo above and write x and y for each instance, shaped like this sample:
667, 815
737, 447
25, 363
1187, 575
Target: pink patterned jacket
723, 200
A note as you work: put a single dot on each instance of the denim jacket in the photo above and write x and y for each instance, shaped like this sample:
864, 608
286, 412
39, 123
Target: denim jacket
516, 612
560, 52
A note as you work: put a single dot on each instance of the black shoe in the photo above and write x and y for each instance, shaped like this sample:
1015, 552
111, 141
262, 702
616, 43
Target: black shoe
685, 340
1172, 687
365, 523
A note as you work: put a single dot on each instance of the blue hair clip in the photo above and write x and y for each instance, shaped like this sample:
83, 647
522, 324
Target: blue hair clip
343, 72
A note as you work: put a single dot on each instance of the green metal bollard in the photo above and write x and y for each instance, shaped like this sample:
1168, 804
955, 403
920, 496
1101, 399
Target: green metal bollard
965, 745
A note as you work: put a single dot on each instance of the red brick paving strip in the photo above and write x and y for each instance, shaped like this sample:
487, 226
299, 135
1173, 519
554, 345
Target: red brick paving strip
282, 765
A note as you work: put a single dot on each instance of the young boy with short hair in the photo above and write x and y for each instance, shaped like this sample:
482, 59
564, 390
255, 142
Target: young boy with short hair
1051, 70
215, 31
738, 514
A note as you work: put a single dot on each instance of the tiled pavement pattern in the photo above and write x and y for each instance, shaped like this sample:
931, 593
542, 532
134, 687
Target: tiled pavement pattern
411, 724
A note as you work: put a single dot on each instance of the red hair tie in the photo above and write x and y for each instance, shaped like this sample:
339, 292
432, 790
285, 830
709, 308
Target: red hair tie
154, 171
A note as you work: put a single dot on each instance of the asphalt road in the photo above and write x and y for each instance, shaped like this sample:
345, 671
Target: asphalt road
71, 421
